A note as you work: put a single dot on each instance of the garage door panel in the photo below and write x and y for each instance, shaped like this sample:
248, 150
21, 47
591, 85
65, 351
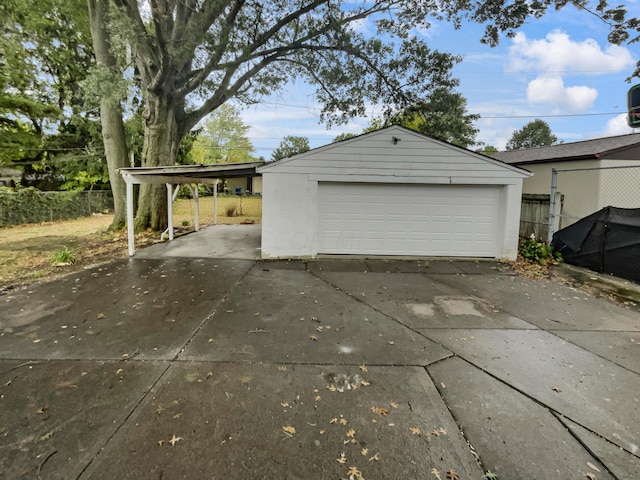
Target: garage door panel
391, 219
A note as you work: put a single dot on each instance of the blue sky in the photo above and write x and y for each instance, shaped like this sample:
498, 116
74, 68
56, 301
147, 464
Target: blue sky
559, 68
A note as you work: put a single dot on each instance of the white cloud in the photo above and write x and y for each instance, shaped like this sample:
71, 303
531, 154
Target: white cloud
558, 53
553, 91
616, 126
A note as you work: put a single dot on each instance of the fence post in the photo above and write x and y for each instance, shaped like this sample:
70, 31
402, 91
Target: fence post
552, 205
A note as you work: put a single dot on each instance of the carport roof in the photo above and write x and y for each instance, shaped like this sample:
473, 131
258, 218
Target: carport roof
175, 174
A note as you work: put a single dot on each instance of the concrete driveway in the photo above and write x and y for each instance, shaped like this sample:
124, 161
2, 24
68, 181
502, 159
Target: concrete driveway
170, 368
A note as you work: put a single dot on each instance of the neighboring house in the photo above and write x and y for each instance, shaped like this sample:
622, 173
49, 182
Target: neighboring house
592, 184
391, 192
247, 185
9, 176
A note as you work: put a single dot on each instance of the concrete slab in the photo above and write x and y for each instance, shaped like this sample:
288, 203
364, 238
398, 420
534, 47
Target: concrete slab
620, 463
217, 241
56, 416
419, 301
144, 308
488, 411
243, 421
621, 348
545, 303
293, 316
580, 385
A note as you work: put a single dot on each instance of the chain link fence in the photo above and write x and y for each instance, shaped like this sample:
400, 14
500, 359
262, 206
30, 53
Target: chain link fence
30, 205
587, 190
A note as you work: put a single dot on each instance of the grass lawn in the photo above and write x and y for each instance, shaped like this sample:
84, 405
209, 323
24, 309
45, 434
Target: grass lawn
26, 251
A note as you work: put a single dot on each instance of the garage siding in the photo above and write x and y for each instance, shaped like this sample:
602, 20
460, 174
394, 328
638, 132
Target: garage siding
399, 219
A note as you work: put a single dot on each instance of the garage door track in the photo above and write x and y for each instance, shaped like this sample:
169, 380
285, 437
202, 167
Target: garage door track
173, 368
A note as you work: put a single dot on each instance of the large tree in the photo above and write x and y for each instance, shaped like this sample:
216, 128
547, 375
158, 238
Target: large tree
194, 55
536, 133
289, 146
223, 139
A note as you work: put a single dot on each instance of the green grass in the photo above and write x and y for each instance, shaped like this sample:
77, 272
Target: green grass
64, 257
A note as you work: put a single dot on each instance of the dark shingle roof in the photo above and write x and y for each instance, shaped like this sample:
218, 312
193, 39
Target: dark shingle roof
569, 151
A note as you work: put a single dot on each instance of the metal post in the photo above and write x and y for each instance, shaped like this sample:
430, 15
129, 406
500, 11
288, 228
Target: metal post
170, 211
552, 204
197, 199
215, 202
130, 233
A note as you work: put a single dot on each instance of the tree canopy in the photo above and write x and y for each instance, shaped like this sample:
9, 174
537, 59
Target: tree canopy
289, 146
536, 133
223, 139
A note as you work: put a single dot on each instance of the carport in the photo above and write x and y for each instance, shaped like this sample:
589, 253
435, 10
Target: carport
174, 176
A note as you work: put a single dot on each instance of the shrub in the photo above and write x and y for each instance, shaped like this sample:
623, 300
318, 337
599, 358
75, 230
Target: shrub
231, 210
538, 251
63, 257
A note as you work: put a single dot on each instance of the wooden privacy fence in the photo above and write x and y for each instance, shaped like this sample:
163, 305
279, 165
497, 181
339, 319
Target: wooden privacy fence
534, 214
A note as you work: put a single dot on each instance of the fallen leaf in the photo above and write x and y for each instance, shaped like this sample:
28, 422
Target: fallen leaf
333, 420
415, 430
100, 316
318, 398
319, 329
452, 475
322, 432
288, 429
592, 466
556, 389
394, 405
313, 338
332, 388
160, 443
282, 368
375, 458
315, 319
351, 440
284, 404
590, 476
177, 415
351, 433
443, 385
391, 424
41, 410
392, 343
209, 374
342, 458
380, 411
364, 383
343, 421
355, 473
364, 452
490, 475
436, 473
436, 432
363, 368
174, 440
37, 340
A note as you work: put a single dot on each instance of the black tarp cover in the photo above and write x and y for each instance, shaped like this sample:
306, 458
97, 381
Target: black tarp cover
607, 241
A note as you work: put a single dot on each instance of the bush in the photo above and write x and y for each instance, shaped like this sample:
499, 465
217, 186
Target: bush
231, 210
64, 257
538, 251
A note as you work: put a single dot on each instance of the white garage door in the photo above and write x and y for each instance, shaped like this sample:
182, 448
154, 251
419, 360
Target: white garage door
391, 219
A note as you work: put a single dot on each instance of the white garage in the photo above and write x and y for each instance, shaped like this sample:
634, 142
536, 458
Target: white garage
391, 192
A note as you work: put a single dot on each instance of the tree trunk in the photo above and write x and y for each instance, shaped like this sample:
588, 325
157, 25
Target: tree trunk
113, 132
161, 142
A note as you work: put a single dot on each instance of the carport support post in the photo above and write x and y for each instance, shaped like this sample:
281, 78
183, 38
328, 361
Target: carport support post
130, 233
170, 211
552, 205
215, 202
197, 199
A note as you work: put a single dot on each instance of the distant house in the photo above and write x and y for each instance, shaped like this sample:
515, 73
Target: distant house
594, 180
9, 176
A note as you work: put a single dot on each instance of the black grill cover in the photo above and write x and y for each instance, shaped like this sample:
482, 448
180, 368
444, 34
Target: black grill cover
607, 241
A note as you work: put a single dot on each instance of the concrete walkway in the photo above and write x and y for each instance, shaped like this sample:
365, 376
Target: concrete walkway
171, 368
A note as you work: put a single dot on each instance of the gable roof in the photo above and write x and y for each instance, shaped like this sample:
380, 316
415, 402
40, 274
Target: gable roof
583, 150
376, 152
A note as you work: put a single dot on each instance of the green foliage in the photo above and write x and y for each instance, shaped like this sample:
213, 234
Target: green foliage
64, 257
538, 252
488, 150
536, 133
29, 205
490, 475
223, 139
343, 136
289, 146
